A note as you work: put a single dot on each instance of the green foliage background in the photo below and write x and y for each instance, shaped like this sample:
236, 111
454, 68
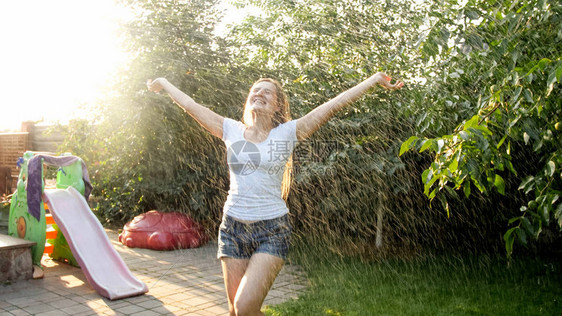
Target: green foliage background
482, 94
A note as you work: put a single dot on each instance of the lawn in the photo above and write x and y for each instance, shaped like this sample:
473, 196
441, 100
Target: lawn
433, 285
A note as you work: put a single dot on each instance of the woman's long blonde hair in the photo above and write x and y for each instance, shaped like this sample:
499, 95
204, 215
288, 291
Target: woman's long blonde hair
280, 117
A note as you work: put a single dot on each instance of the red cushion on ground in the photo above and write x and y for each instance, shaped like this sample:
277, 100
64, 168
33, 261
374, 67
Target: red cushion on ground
162, 231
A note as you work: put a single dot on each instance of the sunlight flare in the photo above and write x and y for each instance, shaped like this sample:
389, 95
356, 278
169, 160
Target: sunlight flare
57, 56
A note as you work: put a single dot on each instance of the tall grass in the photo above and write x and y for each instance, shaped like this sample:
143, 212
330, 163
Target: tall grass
432, 285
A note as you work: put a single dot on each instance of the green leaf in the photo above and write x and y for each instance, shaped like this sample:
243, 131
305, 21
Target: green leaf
426, 145
466, 188
522, 236
528, 95
527, 225
543, 63
426, 175
517, 92
453, 166
508, 237
510, 167
501, 142
433, 193
514, 219
515, 81
451, 191
407, 145
515, 55
422, 118
429, 184
550, 168
538, 145
532, 70
550, 82
545, 214
484, 129
555, 198
558, 214
499, 183
472, 123
526, 182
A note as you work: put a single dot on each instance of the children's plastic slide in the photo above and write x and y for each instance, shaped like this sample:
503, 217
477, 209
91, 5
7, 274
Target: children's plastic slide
103, 267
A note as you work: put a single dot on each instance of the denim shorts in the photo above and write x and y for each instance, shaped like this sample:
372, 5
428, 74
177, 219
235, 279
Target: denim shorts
241, 240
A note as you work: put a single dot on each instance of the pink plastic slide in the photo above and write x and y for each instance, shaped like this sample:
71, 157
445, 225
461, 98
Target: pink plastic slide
105, 270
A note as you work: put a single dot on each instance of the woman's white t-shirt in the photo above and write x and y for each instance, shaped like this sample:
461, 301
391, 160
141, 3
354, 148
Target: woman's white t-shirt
256, 171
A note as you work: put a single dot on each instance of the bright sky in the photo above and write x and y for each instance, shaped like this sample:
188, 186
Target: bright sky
56, 55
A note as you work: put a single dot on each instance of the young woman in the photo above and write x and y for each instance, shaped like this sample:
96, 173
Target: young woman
255, 230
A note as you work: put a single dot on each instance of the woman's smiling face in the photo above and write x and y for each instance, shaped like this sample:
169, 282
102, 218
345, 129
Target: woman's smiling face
263, 98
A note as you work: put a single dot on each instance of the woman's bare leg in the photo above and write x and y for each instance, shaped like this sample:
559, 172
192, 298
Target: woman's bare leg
233, 270
260, 274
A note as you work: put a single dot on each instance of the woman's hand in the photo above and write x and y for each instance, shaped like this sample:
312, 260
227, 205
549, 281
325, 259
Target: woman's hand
155, 85
383, 80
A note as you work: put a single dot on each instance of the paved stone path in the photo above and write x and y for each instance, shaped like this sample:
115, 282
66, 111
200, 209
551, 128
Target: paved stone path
181, 282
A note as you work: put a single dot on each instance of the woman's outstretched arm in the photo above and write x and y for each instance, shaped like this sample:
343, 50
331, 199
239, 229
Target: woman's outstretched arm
210, 120
312, 121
